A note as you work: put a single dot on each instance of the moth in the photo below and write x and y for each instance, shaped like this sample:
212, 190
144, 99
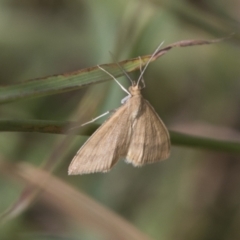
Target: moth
134, 132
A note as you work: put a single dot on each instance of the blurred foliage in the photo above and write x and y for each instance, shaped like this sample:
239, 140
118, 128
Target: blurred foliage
193, 195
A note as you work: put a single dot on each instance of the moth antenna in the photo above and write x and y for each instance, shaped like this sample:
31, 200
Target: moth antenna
122, 87
121, 68
144, 69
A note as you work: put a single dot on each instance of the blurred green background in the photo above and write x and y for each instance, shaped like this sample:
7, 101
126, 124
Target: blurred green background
193, 195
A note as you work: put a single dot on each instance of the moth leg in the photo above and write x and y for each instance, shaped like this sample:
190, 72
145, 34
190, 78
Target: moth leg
122, 69
142, 79
121, 86
93, 120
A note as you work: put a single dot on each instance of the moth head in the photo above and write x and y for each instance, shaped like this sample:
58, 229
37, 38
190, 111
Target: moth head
135, 89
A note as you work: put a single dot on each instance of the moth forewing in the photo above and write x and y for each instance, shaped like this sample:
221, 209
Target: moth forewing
150, 141
103, 149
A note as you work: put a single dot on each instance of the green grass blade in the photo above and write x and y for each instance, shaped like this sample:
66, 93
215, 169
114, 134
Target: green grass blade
84, 77
60, 127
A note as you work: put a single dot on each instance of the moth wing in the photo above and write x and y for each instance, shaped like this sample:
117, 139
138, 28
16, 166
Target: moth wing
104, 148
150, 141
